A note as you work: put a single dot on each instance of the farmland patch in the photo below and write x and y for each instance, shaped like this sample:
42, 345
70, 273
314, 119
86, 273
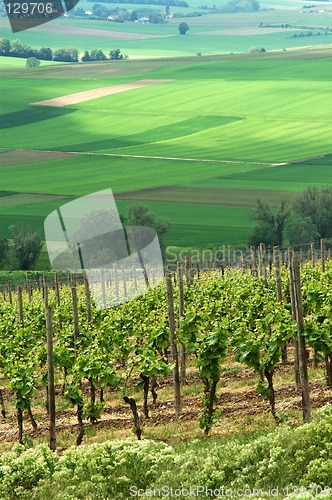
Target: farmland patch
26, 157
90, 32
17, 199
245, 31
206, 196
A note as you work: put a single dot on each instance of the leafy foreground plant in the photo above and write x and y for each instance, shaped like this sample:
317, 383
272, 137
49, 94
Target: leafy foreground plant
282, 459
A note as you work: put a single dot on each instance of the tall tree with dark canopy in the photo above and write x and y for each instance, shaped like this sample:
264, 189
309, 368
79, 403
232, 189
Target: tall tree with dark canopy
270, 227
4, 247
27, 246
183, 28
316, 205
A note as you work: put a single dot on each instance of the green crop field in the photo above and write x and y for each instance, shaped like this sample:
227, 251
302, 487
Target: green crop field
198, 149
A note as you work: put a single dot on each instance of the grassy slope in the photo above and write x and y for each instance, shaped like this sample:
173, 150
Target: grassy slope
254, 111
18, 62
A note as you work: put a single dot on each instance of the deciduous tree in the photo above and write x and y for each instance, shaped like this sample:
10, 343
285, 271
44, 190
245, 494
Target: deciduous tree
27, 246
4, 47
270, 227
183, 28
32, 62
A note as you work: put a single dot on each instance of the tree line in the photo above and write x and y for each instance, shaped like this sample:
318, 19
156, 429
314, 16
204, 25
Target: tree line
117, 15
307, 219
121, 15
21, 251
16, 49
235, 6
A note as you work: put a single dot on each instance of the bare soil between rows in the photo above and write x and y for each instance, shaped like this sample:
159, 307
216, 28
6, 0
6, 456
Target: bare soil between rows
236, 404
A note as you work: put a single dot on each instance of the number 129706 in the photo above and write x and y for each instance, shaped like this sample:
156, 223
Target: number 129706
29, 8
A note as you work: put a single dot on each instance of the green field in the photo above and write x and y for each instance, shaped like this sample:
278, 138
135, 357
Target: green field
210, 34
198, 149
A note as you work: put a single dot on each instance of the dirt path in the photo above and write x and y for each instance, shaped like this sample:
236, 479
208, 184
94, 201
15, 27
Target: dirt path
87, 95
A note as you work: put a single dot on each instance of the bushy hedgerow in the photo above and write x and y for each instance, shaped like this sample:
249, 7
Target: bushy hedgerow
104, 470
282, 458
288, 456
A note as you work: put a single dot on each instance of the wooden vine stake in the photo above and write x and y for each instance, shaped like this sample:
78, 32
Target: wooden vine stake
295, 341
103, 287
276, 259
277, 267
10, 292
57, 297
29, 290
175, 358
116, 282
79, 413
45, 291
303, 366
50, 378
20, 305
21, 320
134, 277
87, 299
189, 271
262, 264
322, 254
45, 298
124, 282
75, 310
328, 357
243, 264
253, 266
183, 354
313, 254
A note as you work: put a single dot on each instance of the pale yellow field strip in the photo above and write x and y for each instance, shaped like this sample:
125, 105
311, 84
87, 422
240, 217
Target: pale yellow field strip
87, 95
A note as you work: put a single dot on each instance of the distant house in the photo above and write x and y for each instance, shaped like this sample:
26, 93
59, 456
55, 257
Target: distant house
88, 13
143, 20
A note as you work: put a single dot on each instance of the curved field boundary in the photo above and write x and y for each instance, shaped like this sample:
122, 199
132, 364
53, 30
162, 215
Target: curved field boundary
174, 158
87, 95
